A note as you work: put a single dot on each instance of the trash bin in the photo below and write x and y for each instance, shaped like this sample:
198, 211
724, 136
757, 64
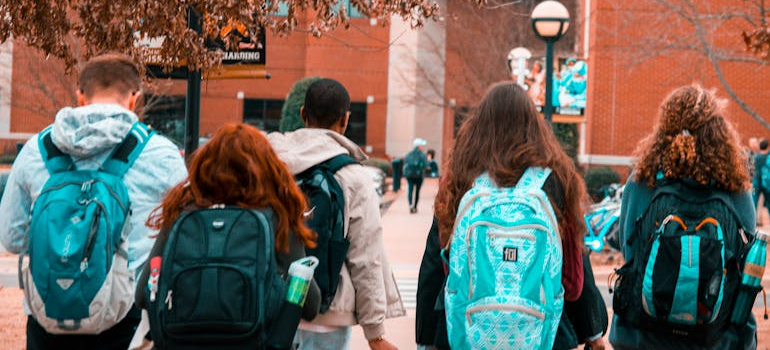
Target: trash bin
398, 171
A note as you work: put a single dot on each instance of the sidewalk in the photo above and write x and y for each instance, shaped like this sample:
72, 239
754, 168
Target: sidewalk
404, 236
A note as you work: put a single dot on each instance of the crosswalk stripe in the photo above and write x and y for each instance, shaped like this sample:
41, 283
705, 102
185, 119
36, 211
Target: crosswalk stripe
408, 289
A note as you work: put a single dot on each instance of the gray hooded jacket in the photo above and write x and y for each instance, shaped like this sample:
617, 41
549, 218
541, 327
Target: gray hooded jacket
89, 134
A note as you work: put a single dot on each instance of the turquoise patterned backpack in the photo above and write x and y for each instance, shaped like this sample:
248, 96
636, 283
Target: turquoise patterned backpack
504, 286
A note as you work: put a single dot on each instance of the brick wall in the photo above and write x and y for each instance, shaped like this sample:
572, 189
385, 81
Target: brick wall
357, 57
624, 95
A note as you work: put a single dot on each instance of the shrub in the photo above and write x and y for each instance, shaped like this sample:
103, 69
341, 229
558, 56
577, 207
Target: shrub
290, 118
597, 180
381, 163
7, 158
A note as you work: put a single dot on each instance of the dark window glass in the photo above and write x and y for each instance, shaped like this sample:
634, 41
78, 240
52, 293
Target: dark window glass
357, 123
461, 113
165, 113
264, 114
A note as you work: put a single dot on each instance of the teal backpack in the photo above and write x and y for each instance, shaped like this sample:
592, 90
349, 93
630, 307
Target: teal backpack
77, 280
504, 286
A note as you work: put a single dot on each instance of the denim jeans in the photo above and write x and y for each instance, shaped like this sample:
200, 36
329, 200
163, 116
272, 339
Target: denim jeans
337, 340
414, 188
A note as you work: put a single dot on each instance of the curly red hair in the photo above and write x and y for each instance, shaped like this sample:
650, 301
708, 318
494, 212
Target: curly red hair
239, 167
694, 140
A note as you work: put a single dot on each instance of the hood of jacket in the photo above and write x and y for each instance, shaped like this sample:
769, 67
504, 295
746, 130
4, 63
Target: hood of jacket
90, 130
304, 148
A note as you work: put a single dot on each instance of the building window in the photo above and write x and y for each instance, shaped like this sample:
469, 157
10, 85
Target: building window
461, 113
357, 123
165, 113
263, 114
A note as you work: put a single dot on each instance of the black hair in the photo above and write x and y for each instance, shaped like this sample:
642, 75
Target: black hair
326, 102
763, 144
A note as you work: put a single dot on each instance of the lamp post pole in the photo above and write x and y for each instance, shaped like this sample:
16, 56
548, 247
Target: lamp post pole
192, 110
548, 103
550, 20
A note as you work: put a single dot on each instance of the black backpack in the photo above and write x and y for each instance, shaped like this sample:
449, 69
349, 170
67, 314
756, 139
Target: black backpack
219, 285
414, 165
689, 248
327, 204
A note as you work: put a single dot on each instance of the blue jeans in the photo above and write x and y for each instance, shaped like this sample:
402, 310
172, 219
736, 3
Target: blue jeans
337, 340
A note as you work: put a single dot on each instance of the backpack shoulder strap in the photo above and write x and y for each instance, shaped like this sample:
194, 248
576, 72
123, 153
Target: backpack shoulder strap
338, 162
129, 150
533, 177
55, 160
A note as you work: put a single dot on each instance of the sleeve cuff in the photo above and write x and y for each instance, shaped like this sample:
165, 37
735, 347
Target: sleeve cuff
373, 331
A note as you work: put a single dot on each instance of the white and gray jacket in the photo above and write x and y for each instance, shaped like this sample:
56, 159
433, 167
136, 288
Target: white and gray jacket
89, 134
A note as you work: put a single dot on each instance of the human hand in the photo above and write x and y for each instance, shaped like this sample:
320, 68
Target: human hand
598, 344
381, 344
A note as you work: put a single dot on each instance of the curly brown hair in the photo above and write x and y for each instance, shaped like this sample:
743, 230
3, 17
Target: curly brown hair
504, 136
694, 140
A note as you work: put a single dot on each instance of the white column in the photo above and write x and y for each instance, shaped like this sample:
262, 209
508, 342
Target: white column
415, 86
6, 70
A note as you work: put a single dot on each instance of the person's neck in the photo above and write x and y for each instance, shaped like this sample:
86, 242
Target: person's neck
105, 100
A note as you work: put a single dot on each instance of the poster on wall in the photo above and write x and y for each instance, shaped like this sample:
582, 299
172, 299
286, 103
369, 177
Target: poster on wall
569, 83
247, 61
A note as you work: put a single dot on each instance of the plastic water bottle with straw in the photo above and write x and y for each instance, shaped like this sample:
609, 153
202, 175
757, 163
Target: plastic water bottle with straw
751, 282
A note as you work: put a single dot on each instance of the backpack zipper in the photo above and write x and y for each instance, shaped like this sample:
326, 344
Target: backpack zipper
503, 307
169, 301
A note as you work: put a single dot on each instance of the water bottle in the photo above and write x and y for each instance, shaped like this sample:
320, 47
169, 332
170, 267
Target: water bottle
300, 277
751, 281
300, 274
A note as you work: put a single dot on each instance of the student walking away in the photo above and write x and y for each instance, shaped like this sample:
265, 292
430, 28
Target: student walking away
415, 163
686, 226
90, 180
432, 169
217, 273
510, 215
361, 290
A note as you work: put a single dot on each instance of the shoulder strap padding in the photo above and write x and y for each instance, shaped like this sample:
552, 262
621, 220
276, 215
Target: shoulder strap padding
124, 156
533, 177
338, 162
55, 160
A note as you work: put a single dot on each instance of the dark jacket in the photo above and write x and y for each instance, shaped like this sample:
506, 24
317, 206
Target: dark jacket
296, 251
636, 198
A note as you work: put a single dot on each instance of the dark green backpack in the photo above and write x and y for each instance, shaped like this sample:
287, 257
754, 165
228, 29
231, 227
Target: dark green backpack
689, 247
327, 204
219, 286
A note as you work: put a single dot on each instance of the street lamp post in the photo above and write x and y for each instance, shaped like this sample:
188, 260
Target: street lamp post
550, 21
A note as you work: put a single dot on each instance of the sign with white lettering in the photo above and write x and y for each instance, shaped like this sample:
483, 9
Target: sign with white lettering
244, 62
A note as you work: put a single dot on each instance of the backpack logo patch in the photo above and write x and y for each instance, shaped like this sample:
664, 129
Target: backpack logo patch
510, 254
65, 283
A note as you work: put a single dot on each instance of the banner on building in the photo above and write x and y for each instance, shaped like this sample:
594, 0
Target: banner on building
246, 62
569, 84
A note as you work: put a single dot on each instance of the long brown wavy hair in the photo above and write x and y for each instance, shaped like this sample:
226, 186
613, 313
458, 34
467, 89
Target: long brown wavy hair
239, 167
694, 140
504, 137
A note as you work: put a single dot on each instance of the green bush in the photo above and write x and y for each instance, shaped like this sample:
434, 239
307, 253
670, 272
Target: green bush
597, 179
290, 118
381, 163
7, 158
568, 137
